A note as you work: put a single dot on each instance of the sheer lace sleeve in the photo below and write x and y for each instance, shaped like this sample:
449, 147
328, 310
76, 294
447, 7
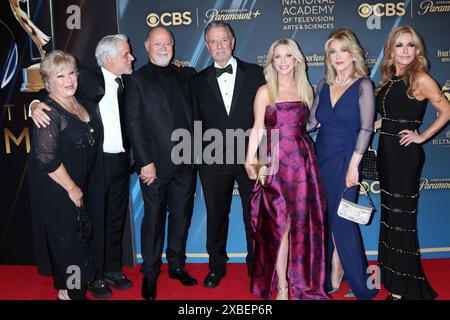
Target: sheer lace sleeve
45, 143
366, 114
312, 122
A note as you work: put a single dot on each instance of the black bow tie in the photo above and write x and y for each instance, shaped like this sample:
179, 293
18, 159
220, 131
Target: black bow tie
228, 69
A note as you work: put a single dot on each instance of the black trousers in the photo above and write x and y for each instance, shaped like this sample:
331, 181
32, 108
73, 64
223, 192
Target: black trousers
218, 190
176, 195
117, 185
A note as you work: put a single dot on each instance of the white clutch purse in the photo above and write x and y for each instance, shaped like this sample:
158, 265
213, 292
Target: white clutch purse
355, 212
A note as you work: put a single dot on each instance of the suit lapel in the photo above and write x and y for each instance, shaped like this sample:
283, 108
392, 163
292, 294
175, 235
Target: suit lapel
100, 92
238, 85
101, 85
214, 85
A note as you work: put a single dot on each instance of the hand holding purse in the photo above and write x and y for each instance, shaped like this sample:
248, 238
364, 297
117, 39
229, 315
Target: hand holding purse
261, 171
355, 212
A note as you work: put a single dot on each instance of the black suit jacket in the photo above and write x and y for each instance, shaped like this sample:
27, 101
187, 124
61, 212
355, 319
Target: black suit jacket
209, 107
148, 116
91, 88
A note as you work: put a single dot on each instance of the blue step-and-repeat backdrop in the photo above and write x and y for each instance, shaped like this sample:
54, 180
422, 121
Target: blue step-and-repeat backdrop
76, 26
257, 24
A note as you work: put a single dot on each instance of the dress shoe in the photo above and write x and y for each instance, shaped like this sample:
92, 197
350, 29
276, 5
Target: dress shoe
99, 289
148, 291
391, 297
185, 278
212, 280
118, 280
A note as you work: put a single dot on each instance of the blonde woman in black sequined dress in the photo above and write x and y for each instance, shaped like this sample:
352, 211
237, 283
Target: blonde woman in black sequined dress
402, 97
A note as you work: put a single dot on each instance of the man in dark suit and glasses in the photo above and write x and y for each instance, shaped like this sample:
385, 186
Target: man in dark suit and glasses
223, 97
157, 102
102, 90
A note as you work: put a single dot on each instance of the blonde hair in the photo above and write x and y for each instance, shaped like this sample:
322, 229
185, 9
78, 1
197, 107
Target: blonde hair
349, 42
419, 63
300, 76
52, 63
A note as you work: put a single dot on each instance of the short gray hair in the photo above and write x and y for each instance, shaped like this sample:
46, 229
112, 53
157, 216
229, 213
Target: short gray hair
107, 48
219, 24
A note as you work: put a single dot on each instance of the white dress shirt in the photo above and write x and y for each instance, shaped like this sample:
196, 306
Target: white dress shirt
109, 111
226, 84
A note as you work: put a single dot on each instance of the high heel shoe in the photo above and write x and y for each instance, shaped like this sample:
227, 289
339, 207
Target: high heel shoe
334, 290
62, 295
283, 293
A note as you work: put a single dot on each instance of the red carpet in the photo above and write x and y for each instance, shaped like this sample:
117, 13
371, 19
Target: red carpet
23, 283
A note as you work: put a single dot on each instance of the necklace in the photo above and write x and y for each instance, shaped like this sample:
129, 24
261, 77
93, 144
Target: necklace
76, 111
73, 107
400, 78
342, 83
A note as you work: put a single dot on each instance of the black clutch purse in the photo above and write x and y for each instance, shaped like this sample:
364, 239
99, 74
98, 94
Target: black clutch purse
84, 224
369, 165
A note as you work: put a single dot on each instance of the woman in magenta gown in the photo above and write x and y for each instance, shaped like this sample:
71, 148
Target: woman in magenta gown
288, 210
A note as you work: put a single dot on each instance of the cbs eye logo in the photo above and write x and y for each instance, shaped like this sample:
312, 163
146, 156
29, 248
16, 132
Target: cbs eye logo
169, 19
365, 10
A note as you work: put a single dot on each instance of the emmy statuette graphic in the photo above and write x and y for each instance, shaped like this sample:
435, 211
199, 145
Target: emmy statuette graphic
32, 81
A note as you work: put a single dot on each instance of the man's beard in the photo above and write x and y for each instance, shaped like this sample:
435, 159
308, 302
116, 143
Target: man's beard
163, 62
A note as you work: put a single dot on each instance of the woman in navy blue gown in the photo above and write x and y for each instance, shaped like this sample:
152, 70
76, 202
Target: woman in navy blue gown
345, 108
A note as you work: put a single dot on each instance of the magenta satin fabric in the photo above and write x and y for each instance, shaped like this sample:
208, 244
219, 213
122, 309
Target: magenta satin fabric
292, 194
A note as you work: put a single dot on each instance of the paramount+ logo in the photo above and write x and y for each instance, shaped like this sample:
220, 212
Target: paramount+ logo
366, 10
169, 19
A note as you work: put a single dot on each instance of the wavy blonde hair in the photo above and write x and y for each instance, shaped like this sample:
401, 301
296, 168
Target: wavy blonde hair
301, 79
419, 63
52, 63
349, 42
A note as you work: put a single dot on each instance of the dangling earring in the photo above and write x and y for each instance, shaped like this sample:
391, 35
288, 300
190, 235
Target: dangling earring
354, 59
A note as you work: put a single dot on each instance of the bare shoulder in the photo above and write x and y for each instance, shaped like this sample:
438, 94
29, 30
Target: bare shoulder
426, 83
427, 87
262, 97
263, 90
424, 78
262, 93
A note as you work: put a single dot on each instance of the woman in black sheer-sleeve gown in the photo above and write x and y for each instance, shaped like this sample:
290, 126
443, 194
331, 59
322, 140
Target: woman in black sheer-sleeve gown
60, 163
